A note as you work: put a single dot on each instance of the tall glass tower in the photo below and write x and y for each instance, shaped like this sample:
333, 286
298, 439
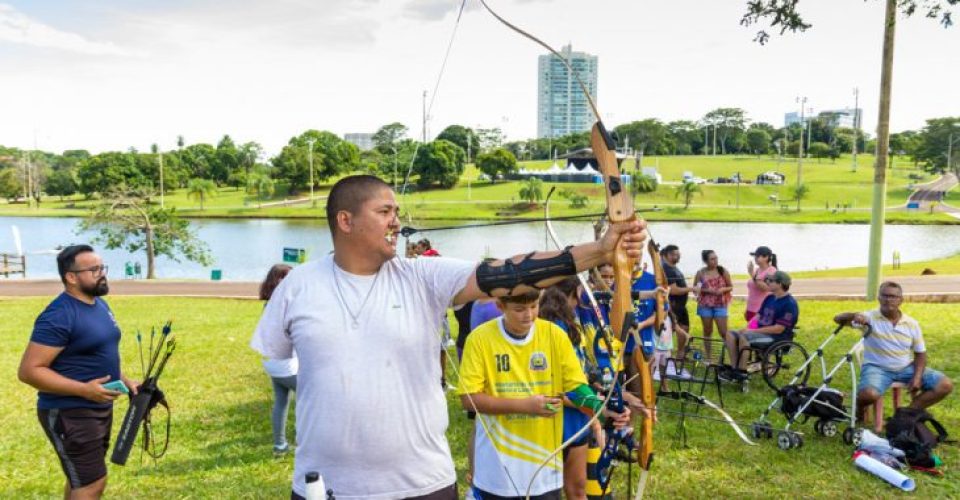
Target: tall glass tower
561, 106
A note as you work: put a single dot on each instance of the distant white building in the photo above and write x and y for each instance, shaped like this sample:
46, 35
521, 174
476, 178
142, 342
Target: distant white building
361, 140
848, 118
561, 106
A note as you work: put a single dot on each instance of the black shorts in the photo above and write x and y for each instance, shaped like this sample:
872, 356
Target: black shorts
683, 317
448, 493
81, 438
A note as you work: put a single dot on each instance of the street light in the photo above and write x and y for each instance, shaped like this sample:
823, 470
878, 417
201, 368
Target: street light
802, 101
310, 142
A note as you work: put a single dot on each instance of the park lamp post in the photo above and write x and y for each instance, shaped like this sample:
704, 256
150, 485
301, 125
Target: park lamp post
310, 142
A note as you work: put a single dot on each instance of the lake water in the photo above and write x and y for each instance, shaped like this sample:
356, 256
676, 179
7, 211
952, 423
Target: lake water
245, 249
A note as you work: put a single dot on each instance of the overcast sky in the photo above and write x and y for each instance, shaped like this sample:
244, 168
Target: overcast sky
112, 74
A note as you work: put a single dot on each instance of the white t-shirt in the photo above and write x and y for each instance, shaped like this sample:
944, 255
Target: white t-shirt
281, 368
371, 414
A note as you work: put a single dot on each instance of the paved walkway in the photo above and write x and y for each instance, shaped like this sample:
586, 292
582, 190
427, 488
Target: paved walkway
916, 288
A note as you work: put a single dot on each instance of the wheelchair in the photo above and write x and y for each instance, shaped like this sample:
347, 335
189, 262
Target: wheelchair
778, 361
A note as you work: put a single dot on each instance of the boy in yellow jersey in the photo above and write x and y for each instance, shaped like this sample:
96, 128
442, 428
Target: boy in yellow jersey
514, 372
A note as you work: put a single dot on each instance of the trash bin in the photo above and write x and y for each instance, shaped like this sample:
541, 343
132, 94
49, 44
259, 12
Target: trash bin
216, 274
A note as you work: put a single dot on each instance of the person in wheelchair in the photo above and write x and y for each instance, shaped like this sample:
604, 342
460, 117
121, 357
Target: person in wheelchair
776, 320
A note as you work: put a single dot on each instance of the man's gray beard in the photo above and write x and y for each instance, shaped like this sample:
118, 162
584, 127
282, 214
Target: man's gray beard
99, 289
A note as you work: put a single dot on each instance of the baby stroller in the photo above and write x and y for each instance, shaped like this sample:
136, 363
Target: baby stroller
825, 404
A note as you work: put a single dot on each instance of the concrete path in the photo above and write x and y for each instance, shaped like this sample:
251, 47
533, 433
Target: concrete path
916, 288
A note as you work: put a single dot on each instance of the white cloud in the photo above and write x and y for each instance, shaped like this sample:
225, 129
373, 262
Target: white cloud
17, 27
435, 10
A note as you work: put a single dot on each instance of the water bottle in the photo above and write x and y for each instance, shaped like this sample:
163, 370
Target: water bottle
316, 490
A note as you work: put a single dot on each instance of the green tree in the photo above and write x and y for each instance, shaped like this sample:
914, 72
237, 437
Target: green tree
199, 161
934, 144
499, 161
729, 126
331, 156
228, 161
11, 187
644, 184
819, 150
462, 136
758, 141
61, 183
261, 185
387, 137
686, 191
577, 200
127, 220
439, 162
531, 190
201, 189
105, 171
650, 136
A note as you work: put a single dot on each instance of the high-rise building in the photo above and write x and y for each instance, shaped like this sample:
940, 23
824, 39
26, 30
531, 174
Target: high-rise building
561, 106
361, 140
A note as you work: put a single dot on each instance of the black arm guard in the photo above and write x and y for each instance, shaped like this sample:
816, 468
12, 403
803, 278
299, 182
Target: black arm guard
528, 272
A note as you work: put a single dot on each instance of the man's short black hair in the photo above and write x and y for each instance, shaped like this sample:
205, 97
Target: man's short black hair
68, 257
667, 250
349, 194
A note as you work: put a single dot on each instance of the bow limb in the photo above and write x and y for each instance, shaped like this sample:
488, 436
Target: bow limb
620, 209
661, 278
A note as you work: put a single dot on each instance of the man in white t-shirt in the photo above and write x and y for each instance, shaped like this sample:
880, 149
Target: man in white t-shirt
371, 415
895, 352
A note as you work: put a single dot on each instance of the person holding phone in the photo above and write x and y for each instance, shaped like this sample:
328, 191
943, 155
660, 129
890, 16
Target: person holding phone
73, 352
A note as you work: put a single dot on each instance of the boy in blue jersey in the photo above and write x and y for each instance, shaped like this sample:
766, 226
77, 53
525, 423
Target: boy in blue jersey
72, 352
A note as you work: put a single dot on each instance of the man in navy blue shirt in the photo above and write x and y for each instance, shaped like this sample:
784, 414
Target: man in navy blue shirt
72, 352
776, 320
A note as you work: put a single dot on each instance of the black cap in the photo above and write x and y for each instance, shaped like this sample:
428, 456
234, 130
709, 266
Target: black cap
312, 476
762, 251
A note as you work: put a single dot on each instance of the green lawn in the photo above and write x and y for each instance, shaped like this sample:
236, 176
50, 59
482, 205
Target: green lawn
948, 265
833, 186
220, 398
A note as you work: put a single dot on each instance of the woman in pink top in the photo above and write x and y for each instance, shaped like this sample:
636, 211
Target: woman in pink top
757, 289
713, 294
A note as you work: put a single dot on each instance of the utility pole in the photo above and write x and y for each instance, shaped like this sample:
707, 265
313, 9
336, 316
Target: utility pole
809, 131
879, 208
856, 124
738, 190
714, 138
313, 202
803, 102
424, 106
160, 158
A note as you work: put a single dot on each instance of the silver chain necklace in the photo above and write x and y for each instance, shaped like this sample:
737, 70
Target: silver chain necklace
336, 279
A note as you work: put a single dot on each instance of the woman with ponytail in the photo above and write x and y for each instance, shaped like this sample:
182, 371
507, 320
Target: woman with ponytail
715, 287
757, 289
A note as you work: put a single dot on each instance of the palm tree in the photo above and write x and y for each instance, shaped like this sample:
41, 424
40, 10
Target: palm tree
260, 184
532, 190
201, 189
687, 190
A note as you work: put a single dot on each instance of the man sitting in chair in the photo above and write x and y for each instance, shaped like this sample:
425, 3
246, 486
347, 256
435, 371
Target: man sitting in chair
894, 352
775, 322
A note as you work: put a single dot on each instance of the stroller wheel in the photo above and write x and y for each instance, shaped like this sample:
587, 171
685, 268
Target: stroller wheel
757, 430
818, 426
848, 436
828, 428
796, 440
769, 431
784, 442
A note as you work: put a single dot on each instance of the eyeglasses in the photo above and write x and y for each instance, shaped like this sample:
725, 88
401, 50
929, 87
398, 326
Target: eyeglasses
769, 280
886, 296
95, 270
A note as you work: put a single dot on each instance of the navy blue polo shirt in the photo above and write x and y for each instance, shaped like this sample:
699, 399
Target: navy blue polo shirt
783, 311
90, 339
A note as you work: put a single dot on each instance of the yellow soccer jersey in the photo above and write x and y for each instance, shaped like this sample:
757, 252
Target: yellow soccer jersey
509, 448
